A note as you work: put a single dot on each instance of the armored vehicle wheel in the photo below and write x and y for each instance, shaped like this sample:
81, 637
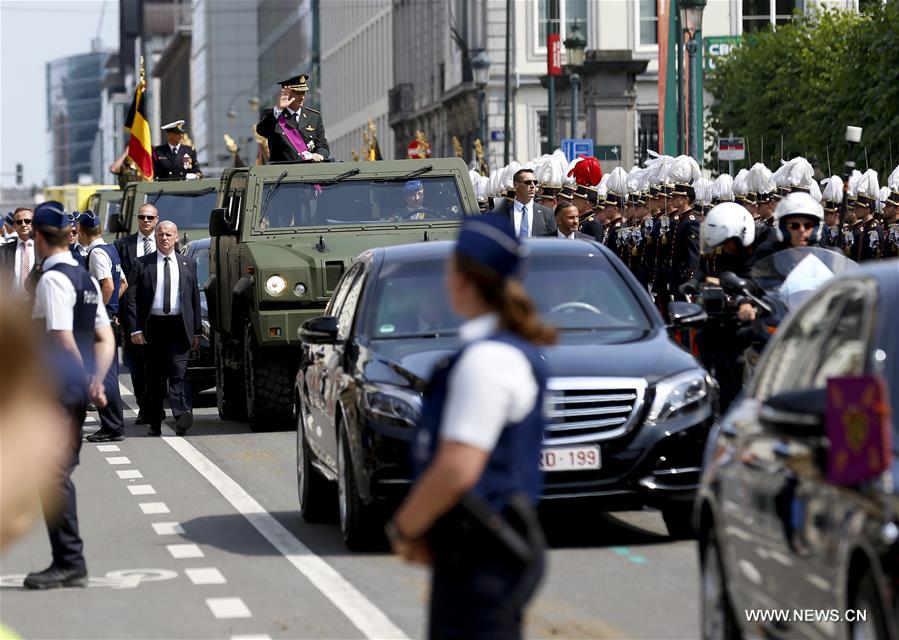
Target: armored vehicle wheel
229, 386
269, 400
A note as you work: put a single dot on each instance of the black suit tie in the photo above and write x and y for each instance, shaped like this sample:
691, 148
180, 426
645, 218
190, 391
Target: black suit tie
166, 286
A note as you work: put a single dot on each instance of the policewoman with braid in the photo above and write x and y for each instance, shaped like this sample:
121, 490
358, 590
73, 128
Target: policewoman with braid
471, 513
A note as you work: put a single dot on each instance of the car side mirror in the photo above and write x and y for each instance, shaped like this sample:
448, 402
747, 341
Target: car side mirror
218, 226
686, 314
116, 224
320, 330
796, 413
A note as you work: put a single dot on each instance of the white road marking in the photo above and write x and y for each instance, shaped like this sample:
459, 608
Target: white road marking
107, 448
185, 551
141, 490
224, 608
118, 460
207, 575
253, 636
129, 474
124, 391
368, 618
167, 528
150, 508
90, 420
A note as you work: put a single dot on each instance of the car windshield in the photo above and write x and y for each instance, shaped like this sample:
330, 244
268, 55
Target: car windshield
293, 205
186, 210
577, 294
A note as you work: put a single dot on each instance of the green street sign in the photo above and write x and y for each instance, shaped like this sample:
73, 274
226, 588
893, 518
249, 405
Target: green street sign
715, 47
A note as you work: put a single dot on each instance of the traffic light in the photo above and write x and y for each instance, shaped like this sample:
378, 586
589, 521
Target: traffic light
19, 174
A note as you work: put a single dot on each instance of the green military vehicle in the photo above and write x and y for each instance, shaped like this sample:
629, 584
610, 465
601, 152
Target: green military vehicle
282, 236
104, 204
187, 203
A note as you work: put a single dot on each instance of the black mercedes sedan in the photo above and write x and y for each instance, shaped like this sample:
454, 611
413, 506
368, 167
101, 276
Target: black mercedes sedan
201, 365
628, 410
798, 512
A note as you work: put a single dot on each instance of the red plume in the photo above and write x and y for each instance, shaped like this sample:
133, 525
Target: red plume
587, 172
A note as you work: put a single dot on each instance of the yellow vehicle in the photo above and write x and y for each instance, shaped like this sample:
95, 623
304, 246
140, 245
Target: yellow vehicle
74, 197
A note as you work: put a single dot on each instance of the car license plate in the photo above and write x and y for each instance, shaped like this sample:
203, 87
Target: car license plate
570, 458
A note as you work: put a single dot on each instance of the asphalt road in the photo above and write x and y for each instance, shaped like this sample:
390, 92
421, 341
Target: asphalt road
200, 537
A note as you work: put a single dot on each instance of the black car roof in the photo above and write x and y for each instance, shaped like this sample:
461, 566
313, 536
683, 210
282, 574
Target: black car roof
418, 251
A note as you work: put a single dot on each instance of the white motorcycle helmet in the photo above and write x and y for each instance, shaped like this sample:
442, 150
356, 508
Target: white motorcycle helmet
724, 221
802, 204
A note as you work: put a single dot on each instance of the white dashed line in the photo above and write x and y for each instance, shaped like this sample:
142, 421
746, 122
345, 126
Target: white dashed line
167, 528
179, 551
124, 391
150, 508
224, 608
141, 489
129, 474
90, 420
203, 576
118, 460
107, 448
253, 636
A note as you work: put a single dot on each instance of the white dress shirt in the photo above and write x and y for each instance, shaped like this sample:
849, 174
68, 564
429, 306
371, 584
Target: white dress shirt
175, 148
563, 236
140, 243
98, 263
158, 297
27, 245
516, 217
55, 297
491, 385
291, 115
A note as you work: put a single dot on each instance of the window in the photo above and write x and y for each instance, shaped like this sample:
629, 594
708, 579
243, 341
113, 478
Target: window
543, 132
340, 292
843, 353
351, 301
648, 134
648, 23
757, 13
571, 12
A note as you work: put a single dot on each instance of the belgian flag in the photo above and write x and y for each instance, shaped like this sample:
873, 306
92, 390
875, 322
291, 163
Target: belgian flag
140, 147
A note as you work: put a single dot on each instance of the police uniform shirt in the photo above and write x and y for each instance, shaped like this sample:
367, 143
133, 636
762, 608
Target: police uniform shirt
55, 297
517, 210
27, 246
490, 386
99, 264
140, 243
159, 295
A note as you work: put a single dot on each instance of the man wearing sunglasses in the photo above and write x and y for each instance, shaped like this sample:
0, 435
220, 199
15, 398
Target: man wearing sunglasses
17, 257
799, 222
531, 220
131, 249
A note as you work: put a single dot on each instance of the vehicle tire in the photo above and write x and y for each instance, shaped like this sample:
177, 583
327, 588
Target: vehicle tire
359, 524
269, 388
315, 493
229, 386
866, 599
718, 619
678, 519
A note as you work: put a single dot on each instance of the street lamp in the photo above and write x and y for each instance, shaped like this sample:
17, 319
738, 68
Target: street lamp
691, 22
576, 46
480, 67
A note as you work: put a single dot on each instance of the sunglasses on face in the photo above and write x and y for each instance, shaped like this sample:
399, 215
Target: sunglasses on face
23, 222
533, 182
796, 226
146, 217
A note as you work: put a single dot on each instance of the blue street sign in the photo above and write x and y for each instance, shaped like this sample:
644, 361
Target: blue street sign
497, 135
574, 147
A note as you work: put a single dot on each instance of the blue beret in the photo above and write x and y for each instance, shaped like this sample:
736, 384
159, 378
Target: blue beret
412, 186
52, 214
490, 241
9, 219
88, 219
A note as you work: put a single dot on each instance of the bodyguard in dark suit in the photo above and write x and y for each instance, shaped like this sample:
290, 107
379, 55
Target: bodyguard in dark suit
531, 220
130, 249
174, 160
294, 132
567, 219
164, 314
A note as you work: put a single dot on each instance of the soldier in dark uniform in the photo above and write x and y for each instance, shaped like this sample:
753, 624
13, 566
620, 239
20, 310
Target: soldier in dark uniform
867, 232
685, 249
614, 211
891, 225
294, 132
174, 160
586, 199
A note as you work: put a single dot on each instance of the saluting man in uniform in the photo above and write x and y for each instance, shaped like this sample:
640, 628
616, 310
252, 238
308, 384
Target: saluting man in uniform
294, 132
81, 347
174, 160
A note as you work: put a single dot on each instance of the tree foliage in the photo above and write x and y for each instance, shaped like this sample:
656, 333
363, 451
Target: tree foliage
809, 79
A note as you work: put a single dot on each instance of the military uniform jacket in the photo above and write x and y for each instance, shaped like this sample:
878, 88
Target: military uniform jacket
310, 127
867, 241
685, 252
174, 166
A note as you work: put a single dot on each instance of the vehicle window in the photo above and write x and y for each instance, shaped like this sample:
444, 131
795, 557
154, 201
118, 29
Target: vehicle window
186, 210
577, 294
233, 212
843, 353
201, 257
348, 310
343, 287
300, 204
790, 361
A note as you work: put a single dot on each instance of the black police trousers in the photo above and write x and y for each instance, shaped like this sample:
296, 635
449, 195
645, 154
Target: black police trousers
112, 415
481, 600
60, 508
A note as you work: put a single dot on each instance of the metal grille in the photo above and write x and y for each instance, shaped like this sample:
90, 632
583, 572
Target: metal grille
583, 410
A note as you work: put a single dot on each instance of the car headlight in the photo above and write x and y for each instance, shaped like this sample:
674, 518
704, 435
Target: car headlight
299, 290
275, 285
679, 393
393, 403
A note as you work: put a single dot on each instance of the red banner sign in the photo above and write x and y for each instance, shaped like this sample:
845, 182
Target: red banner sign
554, 54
